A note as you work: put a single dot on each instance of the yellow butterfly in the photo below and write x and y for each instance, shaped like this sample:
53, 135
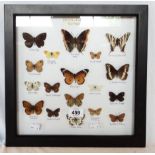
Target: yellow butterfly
54, 54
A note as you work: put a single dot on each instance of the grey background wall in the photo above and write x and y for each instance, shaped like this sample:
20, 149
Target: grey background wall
151, 67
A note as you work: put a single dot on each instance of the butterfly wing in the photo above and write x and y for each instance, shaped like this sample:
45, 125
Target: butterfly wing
29, 40
68, 40
70, 100
123, 40
123, 72
29, 66
111, 72
36, 85
92, 55
82, 40
29, 85
56, 112
28, 108
39, 40
121, 117
120, 96
55, 54
98, 111
91, 111
55, 87
47, 54
112, 41
113, 117
98, 55
112, 96
49, 112
39, 66
48, 87
69, 76
80, 76
38, 107
78, 99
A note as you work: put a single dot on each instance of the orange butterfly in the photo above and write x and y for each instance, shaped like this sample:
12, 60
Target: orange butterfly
78, 77
95, 55
37, 66
31, 109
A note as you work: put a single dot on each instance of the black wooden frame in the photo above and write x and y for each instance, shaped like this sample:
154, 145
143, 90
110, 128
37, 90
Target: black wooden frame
136, 140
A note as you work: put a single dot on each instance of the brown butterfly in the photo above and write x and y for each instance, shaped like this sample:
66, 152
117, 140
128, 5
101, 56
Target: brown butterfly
38, 66
31, 109
78, 77
77, 100
121, 42
72, 42
116, 118
122, 72
95, 55
94, 111
53, 113
119, 97
49, 88
30, 40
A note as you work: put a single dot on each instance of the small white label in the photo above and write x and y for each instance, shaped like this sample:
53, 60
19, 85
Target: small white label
35, 126
75, 112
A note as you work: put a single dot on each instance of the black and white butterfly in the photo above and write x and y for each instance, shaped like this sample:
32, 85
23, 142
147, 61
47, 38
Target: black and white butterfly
121, 42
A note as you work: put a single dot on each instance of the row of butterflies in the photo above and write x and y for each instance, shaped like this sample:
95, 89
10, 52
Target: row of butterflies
37, 109
79, 77
72, 42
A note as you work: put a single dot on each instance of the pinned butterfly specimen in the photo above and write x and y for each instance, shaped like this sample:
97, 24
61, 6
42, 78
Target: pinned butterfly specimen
95, 88
38, 66
74, 101
49, 88
119, 97
53, 113
78, 77
31, 109
122, 72
121, 42
71, 42
75, 121
32, 85
54, 54
30, 40
95, 111
95, 55
117, 118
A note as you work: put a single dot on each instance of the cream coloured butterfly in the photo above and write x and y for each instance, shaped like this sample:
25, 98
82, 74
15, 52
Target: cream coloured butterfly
54, 54
95, 88
32, 85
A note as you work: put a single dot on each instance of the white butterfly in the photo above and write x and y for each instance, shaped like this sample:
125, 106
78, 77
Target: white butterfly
32, 85
95, 87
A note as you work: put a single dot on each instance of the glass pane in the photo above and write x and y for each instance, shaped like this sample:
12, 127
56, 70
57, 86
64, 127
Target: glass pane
75, 75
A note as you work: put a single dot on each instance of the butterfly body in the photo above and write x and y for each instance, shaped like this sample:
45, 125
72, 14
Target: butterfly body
75, 42
121, 73
30, 40
31, 109
74, 101
119, 97
121, 42
49, 88
38, 66
95, 111
79, 77
117, 118
53, 113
